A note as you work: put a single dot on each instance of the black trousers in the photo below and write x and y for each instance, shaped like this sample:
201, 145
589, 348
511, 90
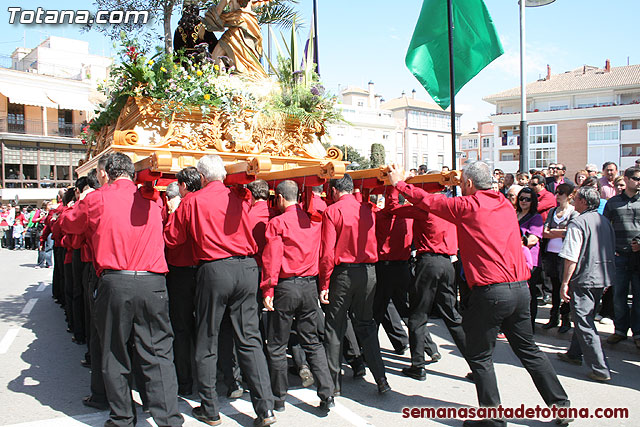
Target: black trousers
98, 392
392, 282
136, 308
79, 326
181, 285
68, 294
433, 287
296, 298
535, 281
505, 306
553, 268
57, 284
351, 292
230, 283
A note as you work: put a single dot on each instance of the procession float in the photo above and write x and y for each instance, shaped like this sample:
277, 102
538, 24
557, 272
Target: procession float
214, 96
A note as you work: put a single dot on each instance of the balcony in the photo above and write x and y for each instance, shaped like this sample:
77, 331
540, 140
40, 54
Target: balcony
630, 136
40, 67
35, 127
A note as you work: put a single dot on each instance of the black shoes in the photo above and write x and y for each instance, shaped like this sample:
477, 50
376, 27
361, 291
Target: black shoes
265, 420
359, 370
415, 372
278, 405
235, 391
435, 357
573, 360
327, 404
86, 363
553, 322
383, 385
198, 414
402, 350
306, 376
93, 403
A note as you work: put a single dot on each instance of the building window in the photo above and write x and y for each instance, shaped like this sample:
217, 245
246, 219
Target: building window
603, 132
425, 159
440, 161
65, 123
540, 158
506, 157
542, 134
414, 161
485, 142
631, 150
15, 118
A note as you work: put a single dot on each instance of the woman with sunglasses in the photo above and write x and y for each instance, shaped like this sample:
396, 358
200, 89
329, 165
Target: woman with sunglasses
531, 227
554, 231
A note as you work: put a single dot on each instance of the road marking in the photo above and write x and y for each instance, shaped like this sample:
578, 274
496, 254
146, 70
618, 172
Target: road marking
27, 308
42, 287
8, 339
310, 397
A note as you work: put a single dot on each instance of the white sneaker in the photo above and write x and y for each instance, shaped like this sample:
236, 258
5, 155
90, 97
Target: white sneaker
605, 321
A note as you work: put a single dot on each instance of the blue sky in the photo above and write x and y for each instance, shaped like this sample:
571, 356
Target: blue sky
367, 40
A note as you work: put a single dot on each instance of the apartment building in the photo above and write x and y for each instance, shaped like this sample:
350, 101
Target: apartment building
47, 95
586, 115
424, 135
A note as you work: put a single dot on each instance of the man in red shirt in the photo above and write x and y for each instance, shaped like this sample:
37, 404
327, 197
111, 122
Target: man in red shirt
289, 287
131, 302
217, 219
435, 240
348, 252
181, 284
546, 199
495, 268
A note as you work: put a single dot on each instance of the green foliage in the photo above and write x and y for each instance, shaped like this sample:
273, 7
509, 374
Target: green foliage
377, 155
350, 154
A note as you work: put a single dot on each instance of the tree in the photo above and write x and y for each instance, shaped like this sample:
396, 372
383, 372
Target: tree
351, 155
377, 155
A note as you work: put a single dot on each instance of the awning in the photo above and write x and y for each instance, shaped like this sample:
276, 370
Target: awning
27, 95
70, 100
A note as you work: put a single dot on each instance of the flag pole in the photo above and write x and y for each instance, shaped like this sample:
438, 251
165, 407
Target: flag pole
315, 37
452, 89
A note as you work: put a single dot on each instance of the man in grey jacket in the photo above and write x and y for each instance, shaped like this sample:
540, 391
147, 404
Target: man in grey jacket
588, 251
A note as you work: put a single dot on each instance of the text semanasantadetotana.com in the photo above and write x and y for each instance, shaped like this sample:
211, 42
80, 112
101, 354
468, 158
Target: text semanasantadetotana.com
520, 412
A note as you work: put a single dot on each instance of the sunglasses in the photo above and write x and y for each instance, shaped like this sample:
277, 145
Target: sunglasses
635, 178
524, 199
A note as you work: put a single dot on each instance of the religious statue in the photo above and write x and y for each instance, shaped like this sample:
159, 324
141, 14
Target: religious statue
241, 43
192, 35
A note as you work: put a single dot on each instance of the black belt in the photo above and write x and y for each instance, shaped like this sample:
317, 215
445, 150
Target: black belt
385, 262
132, 273
354, 264
223, 259
509, 284
421, 254
305, 278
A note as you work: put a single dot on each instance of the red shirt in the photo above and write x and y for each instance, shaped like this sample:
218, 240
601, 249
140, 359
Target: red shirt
56, 230
124, 227
348, 236
67, 242
431, 234
393, 234
293, 244
488, 233
182, 255
217, 219
259, 216
546, 201
319, 204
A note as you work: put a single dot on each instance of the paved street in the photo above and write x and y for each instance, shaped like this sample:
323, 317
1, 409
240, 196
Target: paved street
42, 381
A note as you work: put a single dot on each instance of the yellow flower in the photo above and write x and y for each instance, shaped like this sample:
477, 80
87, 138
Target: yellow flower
199, 73
151, 62
175, 67
207, 96
216, 67
163, 69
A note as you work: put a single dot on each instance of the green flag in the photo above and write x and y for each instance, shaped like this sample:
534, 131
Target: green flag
475, 45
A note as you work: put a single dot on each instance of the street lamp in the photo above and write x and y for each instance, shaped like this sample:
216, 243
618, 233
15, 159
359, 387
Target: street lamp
524, 137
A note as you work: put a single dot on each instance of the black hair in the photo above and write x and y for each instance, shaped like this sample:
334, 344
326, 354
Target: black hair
533, 208
539, 179
342, 185
564, 188
119, 165
190, 177
102, 162
317, 189
259, 189
81, 183
592, 181
630, 171
92, 179
288, 189
607, 164
69, 195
